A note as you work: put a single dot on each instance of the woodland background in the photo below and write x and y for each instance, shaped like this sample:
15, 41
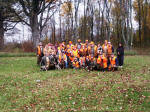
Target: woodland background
101, 19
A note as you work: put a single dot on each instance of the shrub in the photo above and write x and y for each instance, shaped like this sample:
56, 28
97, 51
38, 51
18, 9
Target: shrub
27, 46
12, 47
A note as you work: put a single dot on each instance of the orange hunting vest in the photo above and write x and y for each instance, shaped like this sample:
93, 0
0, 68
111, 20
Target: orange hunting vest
109, 49
76, 64
95, 50
83, 51
103, 47
99, 60
75, 53
58, 48
113, 61
68, 52
69, 46
64, 57
90, 58
104, 62
38, 50
82, 60
89, 49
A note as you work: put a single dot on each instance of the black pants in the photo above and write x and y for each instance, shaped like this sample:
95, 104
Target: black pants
120, 60
39, 58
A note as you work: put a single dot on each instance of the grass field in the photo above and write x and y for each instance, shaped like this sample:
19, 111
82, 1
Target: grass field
23, 87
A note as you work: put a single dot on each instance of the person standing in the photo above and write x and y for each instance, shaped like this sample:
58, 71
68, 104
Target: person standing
120, 54
39, 53
110, 49
105, 47
78, 45
99, 49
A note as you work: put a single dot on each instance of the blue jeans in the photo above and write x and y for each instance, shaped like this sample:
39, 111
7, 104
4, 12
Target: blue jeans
66, 64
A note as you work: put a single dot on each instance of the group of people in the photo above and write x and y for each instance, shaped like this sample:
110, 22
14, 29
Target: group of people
86, 55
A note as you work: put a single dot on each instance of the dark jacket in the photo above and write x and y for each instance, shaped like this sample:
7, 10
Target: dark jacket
120, 50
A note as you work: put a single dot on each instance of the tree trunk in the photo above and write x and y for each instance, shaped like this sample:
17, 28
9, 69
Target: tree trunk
92, 22
139, 20
60, 29
53, 34
1, 35
145, 22
131, 32
35, 30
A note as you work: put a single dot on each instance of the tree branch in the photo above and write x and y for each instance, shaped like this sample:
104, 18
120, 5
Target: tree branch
22, 3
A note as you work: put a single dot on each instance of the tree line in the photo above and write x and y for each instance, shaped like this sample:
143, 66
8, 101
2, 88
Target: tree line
99, 20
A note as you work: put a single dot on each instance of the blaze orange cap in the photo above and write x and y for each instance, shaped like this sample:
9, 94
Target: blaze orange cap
70, 42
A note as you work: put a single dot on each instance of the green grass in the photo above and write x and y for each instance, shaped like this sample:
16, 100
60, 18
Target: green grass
130, 52
7, 54
23, 87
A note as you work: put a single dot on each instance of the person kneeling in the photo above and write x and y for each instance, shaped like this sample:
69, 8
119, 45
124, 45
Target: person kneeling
99, 63
82, 61
62, 60
75, 64
45, 63
113, 63
104, 61
90, 62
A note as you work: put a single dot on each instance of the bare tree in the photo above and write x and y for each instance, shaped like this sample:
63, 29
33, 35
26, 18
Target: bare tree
108, 11
76, 7
139, 20
31, 13
8, 20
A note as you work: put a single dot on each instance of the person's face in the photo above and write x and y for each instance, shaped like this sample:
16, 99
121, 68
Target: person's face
120, 44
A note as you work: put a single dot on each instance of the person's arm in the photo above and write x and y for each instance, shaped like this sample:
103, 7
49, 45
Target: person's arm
112, 49
117, 51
